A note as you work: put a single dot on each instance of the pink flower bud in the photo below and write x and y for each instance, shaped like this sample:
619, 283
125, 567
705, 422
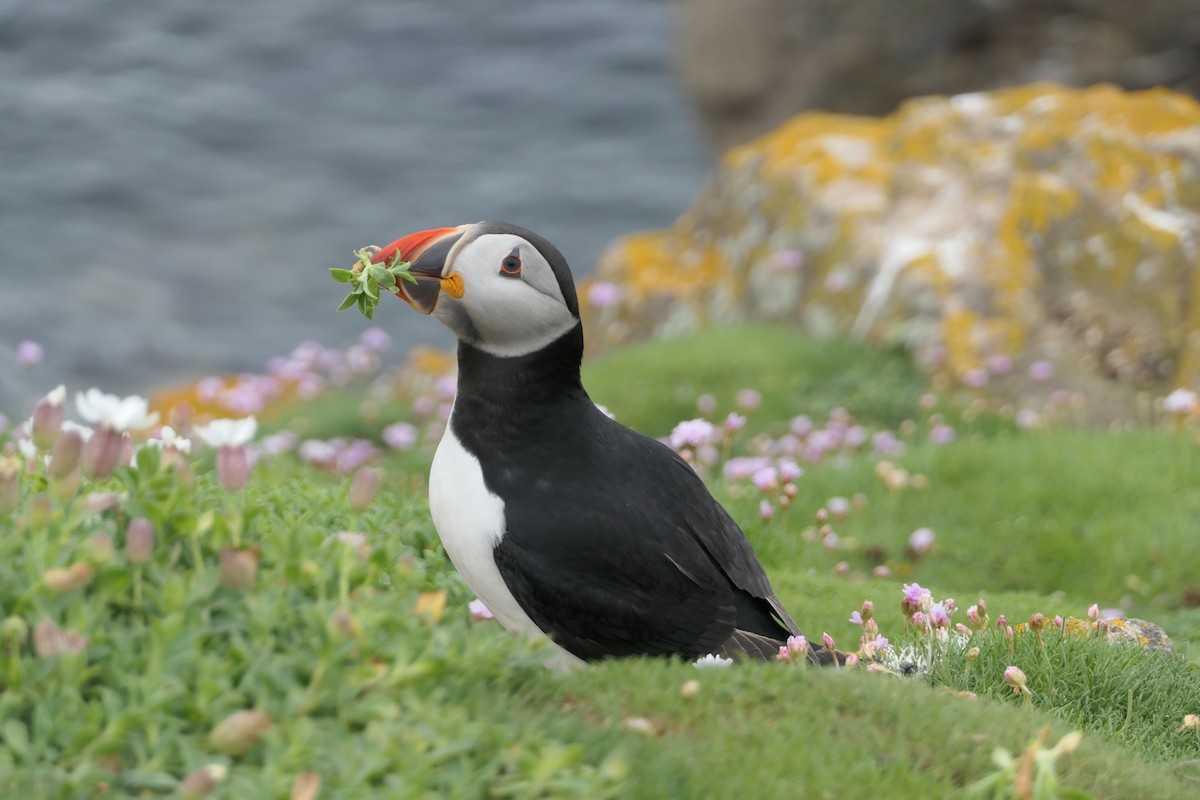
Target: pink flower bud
29, 354
233, 466
842, 567
10, 485
784, 654
64, 456
1008, 634
1016, 679
919, 621
67, 578
1001, 621
49, 640
963, 629
1093, 612
238, 732
202, 781
48, 419
1037, 621
239, 568
139, 540
827, 640
103, 452
363, 487
1058, 621
851, 660
478, 611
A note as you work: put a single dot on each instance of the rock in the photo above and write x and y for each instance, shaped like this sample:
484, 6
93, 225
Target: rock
1029, 224
750, 65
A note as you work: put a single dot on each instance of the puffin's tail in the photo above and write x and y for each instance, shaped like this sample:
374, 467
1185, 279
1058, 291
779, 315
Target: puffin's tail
747, 644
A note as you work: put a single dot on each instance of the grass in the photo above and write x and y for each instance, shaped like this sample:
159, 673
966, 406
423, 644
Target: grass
373, 686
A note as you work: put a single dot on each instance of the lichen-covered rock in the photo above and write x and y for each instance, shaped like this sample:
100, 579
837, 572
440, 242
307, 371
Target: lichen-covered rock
1031, 223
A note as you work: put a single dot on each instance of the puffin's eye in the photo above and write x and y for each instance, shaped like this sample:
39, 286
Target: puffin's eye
510, 267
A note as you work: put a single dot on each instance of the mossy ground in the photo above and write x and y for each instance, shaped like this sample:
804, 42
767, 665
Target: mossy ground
402, 703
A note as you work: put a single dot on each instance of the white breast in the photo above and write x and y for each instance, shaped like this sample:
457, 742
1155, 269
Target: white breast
470, 521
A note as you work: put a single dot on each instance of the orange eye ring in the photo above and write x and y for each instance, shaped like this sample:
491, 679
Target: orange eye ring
511, 265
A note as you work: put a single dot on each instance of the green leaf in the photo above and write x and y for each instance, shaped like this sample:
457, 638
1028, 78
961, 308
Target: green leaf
16, 736
387, 279
342, 275
377, 272
349, 301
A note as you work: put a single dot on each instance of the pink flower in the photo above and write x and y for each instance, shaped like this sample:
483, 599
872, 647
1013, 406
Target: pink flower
478, 610
919, 620
604, 295
706, 404
29, 354
938, 616
856, 617
734, 422
914, 594
838, 506
691, 433
941, 434
841, 567
788, 260
801, 425
1028, 419
749, 399
856, 437
789, 470
1001, 622
1180, 401
921, 541
962, 629
376, 339
851, 660
765, 510
882, 571
766, 479
886, 443
975, 378
1041, 371
1093, 611
400, 436
797, 645
1000, 364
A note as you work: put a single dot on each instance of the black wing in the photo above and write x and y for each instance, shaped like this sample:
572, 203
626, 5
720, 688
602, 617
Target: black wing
632, 555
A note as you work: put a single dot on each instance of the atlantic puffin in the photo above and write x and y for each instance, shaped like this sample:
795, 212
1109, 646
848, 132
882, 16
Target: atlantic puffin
563, 521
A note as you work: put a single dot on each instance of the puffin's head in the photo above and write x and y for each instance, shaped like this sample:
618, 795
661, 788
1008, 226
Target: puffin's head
499, 287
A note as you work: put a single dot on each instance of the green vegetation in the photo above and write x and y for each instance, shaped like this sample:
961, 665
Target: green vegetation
114, 675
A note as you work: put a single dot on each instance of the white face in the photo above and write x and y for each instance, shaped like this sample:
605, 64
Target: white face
511, 303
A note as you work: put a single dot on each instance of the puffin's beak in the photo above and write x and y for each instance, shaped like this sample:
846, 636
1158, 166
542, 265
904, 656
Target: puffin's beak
425, 252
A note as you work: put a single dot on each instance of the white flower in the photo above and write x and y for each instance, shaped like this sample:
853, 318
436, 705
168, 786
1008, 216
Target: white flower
227, 432
110, 411
84, 431
168, 438
57, 396
1180, 401
712, 660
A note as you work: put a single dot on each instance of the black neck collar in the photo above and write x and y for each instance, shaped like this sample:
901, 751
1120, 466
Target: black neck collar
544, 376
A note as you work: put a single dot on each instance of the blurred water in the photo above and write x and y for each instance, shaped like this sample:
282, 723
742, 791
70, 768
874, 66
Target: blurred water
176, 177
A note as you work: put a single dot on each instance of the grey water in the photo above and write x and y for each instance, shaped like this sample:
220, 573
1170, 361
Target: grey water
176, 177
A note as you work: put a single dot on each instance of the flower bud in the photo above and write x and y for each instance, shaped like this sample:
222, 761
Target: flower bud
64, 456
1093, 612
67, 578
363, 487
139, 541
827, 640
308, 785
233, 467
962, 629
1008, 635
1037, 622
238, 732
691, 688
851, 660
919, 621
10, 484
1016, 679
202, 781
343, 625
868, 609
972, 654
13, 633
239, 568
797, 645
783, 655
100, 547
48, 418
49, 640
102, 452
1001, 621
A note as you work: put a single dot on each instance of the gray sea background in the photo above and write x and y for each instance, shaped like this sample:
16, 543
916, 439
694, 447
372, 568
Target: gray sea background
177, 177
